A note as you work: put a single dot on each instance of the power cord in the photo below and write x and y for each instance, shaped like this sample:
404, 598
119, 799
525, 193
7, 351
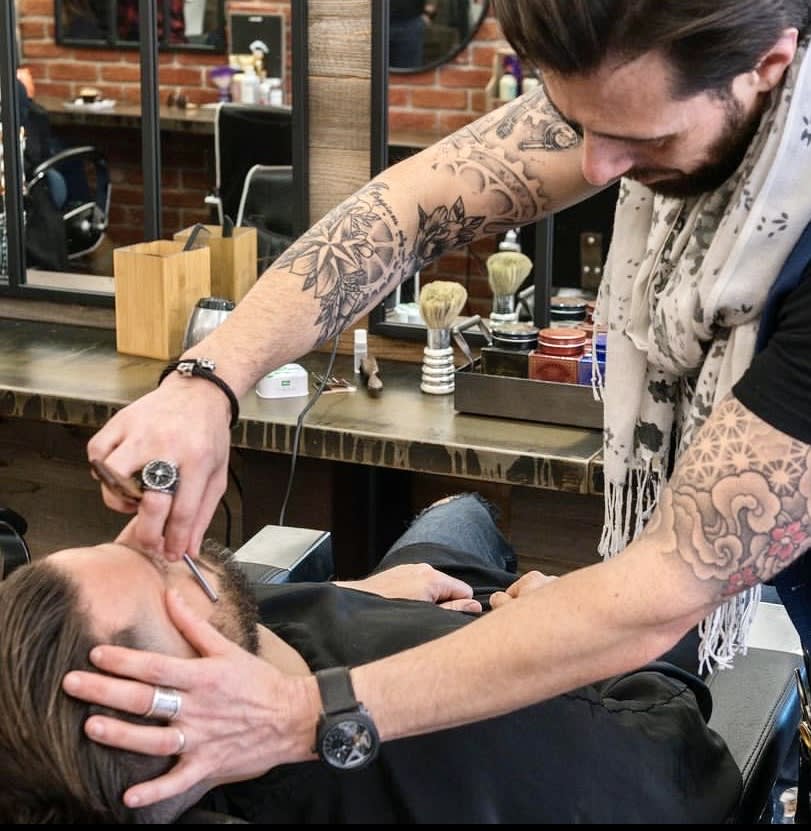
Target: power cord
300, 421
228, 520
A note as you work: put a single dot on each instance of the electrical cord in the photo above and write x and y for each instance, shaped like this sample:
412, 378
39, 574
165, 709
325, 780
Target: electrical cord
228, 520
300, 421
235, 479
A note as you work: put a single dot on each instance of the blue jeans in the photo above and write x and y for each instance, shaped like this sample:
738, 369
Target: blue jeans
461, 538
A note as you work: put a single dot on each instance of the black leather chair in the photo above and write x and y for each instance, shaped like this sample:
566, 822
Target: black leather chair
246, 135
267, 204
86, 210
13, 549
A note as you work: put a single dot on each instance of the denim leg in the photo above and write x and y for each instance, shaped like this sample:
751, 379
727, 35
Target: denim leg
793, 585
465, 522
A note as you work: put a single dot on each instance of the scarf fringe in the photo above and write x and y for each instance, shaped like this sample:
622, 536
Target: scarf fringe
625, 517
724, 633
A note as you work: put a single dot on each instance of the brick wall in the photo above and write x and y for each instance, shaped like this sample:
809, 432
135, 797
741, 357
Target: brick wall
61, 70
446, 98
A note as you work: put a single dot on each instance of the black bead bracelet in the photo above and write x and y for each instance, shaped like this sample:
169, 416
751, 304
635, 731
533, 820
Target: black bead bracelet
204, 368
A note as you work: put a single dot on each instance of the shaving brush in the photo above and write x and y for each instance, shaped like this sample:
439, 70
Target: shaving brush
440, 305
506, 272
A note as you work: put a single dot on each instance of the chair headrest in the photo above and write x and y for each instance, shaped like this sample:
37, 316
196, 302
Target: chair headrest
13, 549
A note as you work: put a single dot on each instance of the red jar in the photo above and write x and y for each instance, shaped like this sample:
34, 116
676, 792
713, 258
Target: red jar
558, 355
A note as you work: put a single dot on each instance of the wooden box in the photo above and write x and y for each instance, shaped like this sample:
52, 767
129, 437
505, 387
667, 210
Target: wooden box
156, 287
233, 259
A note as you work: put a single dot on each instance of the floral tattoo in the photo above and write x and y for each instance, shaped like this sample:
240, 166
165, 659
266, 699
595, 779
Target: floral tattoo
737, 509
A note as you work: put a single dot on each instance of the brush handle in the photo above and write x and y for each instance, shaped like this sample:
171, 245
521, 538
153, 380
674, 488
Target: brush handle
439, 338
504, 310
438, 371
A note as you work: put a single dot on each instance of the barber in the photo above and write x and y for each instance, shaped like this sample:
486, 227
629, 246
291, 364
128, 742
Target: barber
700, 109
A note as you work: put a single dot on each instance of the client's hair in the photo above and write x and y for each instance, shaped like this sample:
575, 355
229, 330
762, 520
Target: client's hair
50, 772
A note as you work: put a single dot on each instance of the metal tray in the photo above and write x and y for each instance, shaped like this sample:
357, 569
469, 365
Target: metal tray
545, 401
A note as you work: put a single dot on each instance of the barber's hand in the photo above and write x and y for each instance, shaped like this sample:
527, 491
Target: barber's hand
182, 422
526, 583
418, 581
239, 715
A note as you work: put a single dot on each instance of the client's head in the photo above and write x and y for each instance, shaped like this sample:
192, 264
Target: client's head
52, 612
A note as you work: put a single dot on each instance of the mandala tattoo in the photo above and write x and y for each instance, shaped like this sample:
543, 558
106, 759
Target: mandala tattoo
738, 507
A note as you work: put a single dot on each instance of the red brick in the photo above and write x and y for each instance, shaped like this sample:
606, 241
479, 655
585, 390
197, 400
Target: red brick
448, 99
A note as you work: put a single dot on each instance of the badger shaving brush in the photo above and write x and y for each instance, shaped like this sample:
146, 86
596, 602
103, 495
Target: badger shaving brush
440, 305
506, 272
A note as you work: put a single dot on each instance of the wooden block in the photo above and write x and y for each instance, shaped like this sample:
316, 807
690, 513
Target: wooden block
157, 285
233, 259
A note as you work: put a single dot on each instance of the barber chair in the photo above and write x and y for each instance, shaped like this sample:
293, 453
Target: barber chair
84, 174
267, 203
756, 708
13, 549
246, 135
755, 705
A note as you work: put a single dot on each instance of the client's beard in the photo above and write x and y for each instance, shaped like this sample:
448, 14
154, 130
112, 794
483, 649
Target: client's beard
236, 615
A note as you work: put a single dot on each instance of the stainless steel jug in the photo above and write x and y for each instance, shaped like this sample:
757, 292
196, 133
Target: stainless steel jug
207, 315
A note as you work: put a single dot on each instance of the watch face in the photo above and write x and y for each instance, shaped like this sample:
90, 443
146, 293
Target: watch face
348, 744
159, 475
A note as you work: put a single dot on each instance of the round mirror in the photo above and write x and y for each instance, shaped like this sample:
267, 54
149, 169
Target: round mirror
426, 33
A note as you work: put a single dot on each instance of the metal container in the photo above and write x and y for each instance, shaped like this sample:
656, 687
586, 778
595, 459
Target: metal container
207, 315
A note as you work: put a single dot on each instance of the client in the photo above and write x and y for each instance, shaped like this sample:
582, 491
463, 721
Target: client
634, 748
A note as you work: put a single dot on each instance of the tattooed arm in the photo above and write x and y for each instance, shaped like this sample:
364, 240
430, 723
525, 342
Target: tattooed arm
509, 168
736, 511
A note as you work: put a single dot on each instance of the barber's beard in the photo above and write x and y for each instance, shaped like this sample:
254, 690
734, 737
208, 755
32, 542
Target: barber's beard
723, 157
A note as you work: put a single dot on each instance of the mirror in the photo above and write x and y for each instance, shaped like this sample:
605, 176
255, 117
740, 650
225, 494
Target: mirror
423, 35
398, 316
158, 151
192, 24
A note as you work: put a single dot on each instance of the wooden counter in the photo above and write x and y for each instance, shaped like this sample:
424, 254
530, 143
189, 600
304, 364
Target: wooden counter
73, 375
125, 114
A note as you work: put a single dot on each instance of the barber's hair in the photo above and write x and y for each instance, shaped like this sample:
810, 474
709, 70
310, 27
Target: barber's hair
50, 772
707, 42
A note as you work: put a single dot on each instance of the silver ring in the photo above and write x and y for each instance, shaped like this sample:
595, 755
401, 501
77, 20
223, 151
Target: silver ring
161, 476
181, 741
166, 703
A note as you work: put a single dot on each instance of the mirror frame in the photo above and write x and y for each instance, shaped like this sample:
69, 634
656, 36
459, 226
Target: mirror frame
543, 230
15, 284
112, 40
407, 70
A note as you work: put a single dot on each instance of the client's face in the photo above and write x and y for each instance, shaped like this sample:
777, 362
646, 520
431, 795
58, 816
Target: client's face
121, 588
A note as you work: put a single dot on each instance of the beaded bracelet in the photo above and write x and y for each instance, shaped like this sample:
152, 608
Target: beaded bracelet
204, 368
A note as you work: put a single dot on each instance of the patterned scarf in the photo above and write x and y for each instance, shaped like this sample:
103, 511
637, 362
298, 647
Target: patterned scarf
684, 288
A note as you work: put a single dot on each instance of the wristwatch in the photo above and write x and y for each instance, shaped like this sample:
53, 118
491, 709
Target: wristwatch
346, 737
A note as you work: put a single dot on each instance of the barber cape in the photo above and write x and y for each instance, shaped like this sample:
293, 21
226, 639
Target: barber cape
684, 288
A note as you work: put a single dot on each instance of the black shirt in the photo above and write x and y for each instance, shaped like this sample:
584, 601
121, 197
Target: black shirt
777, 385
635, 748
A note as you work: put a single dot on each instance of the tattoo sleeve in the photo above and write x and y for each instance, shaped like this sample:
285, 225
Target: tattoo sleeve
360, 250
736, 509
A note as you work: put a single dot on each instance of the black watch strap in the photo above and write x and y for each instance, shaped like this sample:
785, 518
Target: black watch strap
337, 692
